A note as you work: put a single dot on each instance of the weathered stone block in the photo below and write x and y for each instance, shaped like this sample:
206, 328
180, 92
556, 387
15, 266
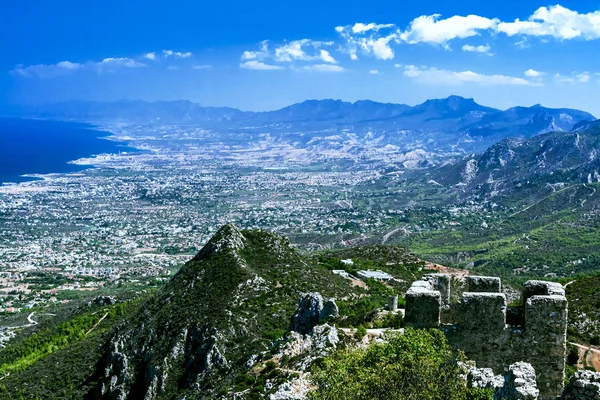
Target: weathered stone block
519, 383
541, 288
441, 283
393, 303
422, 306
545, 341
484, 312
483, 284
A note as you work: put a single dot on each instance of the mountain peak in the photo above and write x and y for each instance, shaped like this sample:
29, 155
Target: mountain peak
227, 238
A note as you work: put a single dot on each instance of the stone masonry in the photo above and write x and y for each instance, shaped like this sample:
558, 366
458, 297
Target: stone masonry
477, 325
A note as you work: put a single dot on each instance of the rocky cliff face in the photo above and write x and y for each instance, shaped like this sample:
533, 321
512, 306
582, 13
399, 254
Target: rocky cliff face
198, 333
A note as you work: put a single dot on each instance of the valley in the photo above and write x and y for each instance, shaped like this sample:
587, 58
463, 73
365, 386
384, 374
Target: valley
302, 199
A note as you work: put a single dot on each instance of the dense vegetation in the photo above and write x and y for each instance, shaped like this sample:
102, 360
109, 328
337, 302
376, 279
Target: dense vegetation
583, 295
556, 236
419, 365
55, 362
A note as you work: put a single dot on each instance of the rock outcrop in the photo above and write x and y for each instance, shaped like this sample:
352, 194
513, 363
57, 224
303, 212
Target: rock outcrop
583, 385
312, 309
519, 383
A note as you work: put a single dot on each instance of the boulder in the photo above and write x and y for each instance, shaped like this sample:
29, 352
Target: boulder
312, 310
519, 383
583, 385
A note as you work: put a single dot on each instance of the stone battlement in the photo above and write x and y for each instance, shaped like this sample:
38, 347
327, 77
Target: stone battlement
478, 324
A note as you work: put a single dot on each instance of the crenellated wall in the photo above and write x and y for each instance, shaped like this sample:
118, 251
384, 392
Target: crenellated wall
477, 325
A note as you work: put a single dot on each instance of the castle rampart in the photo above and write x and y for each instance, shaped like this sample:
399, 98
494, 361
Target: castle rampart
477, 325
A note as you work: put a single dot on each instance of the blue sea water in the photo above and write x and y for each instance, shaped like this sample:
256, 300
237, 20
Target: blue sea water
42, 147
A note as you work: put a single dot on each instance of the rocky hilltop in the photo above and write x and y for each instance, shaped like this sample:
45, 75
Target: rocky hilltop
225, 305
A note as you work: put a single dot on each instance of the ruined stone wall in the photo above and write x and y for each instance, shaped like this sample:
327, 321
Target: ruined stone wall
478, 326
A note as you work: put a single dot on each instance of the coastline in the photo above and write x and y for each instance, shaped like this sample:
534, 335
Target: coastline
82, 161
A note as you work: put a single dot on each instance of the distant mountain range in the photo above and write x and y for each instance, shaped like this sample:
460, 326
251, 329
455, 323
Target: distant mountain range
453, 123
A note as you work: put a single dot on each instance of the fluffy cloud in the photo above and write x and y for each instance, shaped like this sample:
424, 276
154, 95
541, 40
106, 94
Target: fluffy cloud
476, 49
257, 55
555, 21
325, 56
441, 76
259, 65
177, 54
295, 51
124, 62
367, 39
150, 56
360, 27
532, 73
431, 29
374, 72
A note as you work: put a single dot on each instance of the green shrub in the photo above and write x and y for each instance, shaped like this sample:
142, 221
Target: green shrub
419, 365
361, 331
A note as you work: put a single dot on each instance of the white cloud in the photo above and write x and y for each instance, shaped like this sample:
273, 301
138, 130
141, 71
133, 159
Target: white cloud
64, 67
574, 77
431, 29
555, 21
373, 71
476, 49
367, 39
583, 77
303, 50
258, 65
294, 51
150, 56
522, 44
532, 73
257, 55
432, 75
177, 54
325, 56
46, 70
359, 27
323, 68
397, 65
125, 62
202, 66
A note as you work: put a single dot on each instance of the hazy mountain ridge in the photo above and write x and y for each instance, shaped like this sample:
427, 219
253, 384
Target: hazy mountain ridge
438, 125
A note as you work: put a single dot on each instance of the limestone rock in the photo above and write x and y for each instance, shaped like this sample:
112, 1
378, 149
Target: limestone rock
330, 311
484, 378
312, 309
519, 383
296, 389
583, 385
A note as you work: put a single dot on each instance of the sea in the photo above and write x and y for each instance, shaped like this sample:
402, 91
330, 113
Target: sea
41, 147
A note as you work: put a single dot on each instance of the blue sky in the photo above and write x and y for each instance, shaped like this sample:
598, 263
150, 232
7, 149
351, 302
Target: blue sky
261, 55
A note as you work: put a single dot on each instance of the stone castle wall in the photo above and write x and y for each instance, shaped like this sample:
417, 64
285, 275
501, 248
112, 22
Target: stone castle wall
477, 325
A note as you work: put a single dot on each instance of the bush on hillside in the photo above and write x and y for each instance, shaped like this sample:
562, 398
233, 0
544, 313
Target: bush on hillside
418, 365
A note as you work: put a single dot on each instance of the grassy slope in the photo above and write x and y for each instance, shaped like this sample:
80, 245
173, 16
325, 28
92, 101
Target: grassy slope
557, 234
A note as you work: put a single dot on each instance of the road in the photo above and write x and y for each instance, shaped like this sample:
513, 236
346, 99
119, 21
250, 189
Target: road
390, 233
587, 356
